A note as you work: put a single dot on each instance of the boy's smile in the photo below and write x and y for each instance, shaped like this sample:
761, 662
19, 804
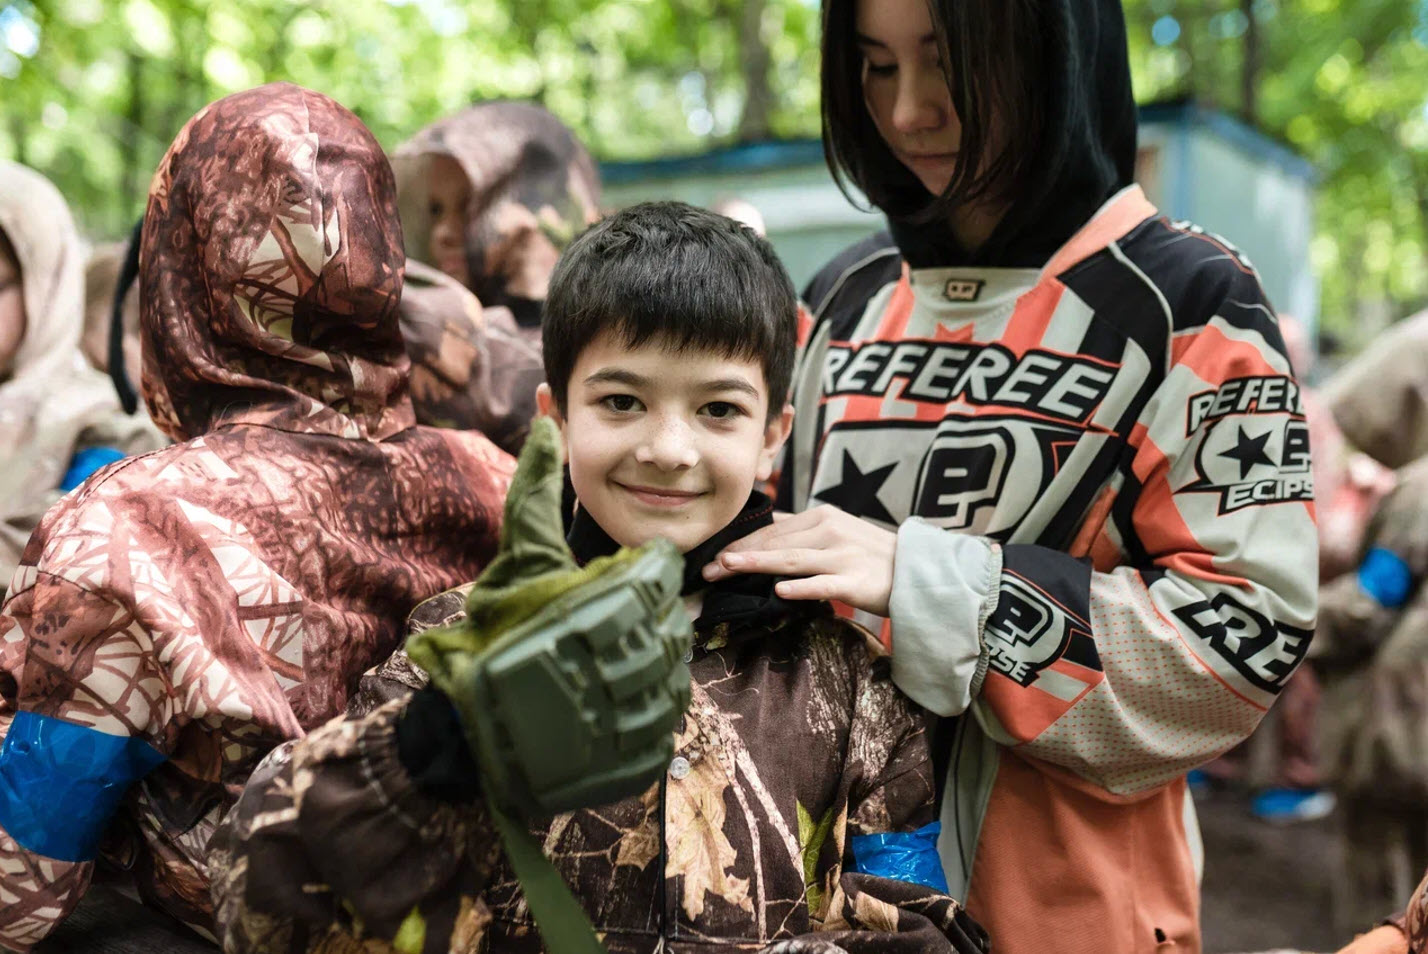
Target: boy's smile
665, 443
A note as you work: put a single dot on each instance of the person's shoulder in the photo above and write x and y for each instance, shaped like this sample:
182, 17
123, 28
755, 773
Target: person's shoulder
1165, 281
151, 476
1197, 272
471, 450
873, 260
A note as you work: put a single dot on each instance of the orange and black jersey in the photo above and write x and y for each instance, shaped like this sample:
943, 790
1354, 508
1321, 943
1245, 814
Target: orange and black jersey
1099, 474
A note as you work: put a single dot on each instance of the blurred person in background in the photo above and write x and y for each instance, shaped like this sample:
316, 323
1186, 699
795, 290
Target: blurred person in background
489, 197
1371, 644
187, 611
101, 282
1047, 443
112, 339
468, 371
1281, 760
59, 417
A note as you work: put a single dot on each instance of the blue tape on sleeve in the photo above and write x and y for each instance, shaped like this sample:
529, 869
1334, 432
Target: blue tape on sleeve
60, 783
85, 462
901, 855
1386, 577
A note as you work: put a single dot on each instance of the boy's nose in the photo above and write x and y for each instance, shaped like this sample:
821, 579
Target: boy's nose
669, 446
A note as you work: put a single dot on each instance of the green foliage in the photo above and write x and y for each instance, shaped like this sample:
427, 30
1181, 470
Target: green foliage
1345, 82
94, 90
811, 836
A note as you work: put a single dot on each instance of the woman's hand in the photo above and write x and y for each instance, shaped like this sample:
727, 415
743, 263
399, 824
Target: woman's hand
831, 555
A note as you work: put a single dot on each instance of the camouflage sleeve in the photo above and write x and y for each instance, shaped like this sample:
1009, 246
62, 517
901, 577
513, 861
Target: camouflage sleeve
331, 838
85, 711
1414, 919
892, 788
1352, 624
1359, 611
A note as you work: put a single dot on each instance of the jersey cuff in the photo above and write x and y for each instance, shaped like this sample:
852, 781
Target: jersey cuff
944, 587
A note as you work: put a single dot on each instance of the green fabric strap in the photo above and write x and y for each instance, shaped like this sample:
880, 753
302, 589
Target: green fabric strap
562, 922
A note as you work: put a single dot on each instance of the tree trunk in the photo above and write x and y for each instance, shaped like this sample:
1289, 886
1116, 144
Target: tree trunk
135, 186
755, 59
1249, 75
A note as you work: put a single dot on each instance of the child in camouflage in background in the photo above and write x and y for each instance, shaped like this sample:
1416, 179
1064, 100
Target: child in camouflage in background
488, 198
668, 344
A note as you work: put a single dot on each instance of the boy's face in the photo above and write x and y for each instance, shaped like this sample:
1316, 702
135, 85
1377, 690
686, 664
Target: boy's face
663, 443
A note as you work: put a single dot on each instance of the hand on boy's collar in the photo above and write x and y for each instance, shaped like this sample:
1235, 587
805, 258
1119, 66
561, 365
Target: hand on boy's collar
743, 601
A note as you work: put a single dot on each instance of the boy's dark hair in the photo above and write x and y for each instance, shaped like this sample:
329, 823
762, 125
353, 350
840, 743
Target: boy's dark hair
995, 51
684, 277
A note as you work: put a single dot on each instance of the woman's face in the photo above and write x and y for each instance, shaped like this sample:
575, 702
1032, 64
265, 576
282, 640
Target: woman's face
450, 196
905, 88
12, 308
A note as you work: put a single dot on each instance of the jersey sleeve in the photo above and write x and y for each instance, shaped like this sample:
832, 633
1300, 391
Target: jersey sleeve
1165, 642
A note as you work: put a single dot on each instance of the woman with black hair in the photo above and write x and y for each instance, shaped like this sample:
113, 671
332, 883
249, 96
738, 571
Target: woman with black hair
1048, 443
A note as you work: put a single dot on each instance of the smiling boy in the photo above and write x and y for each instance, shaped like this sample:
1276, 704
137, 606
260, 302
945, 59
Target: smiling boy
668, 344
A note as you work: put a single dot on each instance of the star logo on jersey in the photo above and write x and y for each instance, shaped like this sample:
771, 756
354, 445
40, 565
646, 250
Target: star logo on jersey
980, 474
1249, 451
1252, 460
857, 492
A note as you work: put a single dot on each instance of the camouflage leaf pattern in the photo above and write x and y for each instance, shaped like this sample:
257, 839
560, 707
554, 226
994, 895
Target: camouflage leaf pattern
224, 595
734, 873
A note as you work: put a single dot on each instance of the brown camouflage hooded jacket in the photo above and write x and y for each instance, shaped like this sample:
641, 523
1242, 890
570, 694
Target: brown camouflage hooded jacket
186, 611
796, 742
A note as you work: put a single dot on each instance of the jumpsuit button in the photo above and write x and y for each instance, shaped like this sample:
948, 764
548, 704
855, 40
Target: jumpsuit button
679, 768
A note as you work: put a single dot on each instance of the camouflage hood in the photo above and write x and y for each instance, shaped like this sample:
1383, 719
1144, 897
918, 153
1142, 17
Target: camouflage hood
533, 188
271, 272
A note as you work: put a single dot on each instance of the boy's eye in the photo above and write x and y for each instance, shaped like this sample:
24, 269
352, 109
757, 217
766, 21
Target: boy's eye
875, 69
721, 410
435, 210
621, 403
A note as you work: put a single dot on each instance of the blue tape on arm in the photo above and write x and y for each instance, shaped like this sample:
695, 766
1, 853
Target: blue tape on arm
60, 783
85, 462
901, 855
1386, 577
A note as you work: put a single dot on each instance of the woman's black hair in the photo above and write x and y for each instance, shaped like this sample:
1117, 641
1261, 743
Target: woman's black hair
994, 53
128, 274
